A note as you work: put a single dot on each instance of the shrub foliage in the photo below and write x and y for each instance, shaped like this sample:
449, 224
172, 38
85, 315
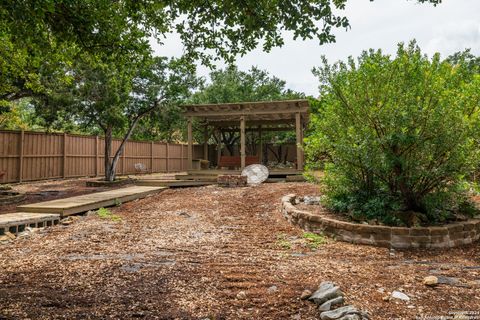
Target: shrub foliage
399, 134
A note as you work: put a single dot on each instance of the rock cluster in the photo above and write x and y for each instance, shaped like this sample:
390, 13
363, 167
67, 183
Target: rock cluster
329, 299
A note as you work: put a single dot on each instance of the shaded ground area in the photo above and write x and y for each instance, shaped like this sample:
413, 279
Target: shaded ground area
187, 253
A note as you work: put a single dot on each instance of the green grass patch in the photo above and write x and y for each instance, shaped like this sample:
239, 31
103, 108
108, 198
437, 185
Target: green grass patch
283, 242
314, 240
107, 215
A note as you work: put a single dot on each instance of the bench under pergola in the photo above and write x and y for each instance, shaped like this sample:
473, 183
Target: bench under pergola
252, 116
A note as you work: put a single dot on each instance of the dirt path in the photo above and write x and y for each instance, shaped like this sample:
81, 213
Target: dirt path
187, 253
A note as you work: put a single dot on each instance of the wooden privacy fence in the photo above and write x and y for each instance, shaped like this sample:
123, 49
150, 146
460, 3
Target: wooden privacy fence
26, 156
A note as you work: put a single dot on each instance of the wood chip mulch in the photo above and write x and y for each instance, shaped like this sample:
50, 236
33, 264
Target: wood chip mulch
188, 253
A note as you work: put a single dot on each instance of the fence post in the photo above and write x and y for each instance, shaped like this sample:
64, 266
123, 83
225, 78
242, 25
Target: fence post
181, 157
20, 158
167, 158
123, 158
151, 156
64, 171
96, 156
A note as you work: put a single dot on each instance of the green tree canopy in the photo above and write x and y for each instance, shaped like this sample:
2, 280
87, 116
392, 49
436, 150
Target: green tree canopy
113, 98
400, 134
40, 39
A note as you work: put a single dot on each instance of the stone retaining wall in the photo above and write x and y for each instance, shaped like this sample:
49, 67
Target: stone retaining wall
448, 236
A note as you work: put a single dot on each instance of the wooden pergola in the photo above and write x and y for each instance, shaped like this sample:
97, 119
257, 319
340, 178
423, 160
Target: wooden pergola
257, 116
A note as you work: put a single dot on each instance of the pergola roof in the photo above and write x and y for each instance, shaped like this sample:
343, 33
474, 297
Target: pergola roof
264, 112
265, 115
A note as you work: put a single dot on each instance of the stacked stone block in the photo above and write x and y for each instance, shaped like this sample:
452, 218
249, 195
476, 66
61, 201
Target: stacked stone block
448, 236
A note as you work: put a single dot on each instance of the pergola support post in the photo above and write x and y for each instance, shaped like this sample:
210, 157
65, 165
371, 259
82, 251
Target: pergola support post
218, 138
260, 146
190, 144
205, 143
298, 134
242, 142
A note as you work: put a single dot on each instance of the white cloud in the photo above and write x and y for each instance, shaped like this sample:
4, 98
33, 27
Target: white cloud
452, 26
456, 37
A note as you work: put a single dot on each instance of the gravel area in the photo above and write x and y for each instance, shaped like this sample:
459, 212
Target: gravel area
189, 253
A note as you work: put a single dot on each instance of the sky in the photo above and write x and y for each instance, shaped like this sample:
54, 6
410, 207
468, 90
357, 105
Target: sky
452, 26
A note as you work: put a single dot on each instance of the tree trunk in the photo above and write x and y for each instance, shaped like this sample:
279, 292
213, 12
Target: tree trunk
285, 156
109, 175
119, 152
265, 154
410, 198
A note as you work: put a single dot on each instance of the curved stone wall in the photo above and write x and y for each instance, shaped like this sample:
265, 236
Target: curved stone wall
448, 236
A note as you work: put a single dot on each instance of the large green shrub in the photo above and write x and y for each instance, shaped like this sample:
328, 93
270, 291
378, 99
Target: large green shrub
400, 134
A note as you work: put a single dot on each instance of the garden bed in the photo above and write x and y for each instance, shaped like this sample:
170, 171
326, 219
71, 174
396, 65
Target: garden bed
447, 236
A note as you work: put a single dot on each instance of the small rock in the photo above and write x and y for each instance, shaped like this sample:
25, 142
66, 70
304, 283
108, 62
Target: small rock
183, 214
330, 303
448, 280
272, 289
386, 298
297, 316
66, 222
305, 294
24, 234
411, 306
430, 281
460, 217
339, 313
381, 290
326, 291
311, 200
400, 295
241, 295
90, 213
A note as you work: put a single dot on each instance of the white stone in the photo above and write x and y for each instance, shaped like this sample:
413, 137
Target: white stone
400, 295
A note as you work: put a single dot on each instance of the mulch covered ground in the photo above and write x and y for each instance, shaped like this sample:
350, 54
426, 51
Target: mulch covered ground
188, 253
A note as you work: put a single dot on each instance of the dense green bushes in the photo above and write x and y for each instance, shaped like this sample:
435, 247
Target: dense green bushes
399, 135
